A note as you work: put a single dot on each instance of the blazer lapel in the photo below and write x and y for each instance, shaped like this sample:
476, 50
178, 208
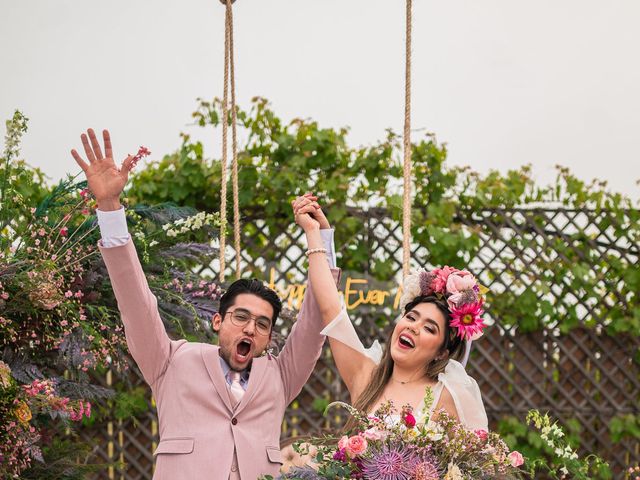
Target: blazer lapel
256, 377
211, 359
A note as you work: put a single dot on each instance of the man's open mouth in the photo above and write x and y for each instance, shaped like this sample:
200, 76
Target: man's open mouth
243, 349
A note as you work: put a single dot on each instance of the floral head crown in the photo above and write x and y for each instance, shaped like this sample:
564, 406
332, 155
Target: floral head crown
461, 290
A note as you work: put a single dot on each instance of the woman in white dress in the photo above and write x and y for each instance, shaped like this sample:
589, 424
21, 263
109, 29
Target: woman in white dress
441, 315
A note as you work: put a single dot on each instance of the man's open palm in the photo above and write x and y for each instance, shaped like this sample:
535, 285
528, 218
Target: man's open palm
106, 180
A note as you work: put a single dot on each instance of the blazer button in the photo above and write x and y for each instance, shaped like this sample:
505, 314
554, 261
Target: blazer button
234, 421
234, 468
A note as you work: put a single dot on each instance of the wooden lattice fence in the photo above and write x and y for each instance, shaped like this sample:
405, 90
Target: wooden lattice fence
585, 374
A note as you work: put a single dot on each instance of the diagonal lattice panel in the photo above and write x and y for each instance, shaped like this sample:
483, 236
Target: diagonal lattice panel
584, 374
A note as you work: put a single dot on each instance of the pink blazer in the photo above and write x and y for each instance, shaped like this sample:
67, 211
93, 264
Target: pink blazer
198, 426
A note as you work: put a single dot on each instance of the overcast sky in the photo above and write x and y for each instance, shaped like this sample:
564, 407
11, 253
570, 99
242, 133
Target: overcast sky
502, 82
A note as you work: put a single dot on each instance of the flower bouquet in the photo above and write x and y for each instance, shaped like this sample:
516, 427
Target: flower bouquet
60, 329
392, 444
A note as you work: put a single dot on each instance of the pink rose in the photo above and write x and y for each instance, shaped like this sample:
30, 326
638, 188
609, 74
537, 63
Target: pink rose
342, 444
516, 458
356, 445
459, 281
481, 434
409, 420
374, 434
442, 274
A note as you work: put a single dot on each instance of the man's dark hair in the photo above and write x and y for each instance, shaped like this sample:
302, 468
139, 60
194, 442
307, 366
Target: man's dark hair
254, 287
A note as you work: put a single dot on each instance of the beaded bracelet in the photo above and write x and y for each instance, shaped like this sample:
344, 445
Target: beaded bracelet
315, 250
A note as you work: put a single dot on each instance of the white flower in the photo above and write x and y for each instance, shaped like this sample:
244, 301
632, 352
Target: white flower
153, 243
434, 431
453, 472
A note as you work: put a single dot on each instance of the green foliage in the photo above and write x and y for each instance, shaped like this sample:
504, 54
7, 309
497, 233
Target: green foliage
320, 404
64, 459
549, 449
280, 160
624, 426
130, 403
18, 181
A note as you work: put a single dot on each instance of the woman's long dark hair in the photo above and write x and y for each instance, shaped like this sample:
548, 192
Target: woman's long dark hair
383, 371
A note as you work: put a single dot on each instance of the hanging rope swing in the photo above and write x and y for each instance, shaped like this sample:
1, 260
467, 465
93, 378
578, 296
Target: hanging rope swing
406, 147
229, 90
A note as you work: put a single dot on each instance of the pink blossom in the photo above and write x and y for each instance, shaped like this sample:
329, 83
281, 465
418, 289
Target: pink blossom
142, 152
78, 294
342, 443
356, 445
466, 319
64, 323
373, 419
68, 294
516, 458
459, 281
409, 420
374, 434
481, 434
441, 275
64, 231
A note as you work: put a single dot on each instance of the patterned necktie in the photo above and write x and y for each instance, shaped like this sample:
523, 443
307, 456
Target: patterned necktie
237, 392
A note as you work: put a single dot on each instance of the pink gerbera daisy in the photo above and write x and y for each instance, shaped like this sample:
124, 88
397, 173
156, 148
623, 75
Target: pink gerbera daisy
466, 318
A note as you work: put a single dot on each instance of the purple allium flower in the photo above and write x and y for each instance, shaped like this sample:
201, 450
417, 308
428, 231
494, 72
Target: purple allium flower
390, 462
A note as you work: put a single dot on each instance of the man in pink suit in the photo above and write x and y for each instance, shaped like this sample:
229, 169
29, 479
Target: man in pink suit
220, 408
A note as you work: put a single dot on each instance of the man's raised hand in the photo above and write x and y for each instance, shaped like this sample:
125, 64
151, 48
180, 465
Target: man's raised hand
106, 181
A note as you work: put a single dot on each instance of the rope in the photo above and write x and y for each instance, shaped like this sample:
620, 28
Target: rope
234, 147
229, 74
406, 197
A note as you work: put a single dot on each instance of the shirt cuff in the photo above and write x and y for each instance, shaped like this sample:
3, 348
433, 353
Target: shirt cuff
113, 228
327, 239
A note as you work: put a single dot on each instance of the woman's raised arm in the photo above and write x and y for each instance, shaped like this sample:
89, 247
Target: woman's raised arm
354, 367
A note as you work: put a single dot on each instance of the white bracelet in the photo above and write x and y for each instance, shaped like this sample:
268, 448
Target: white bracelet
315, 250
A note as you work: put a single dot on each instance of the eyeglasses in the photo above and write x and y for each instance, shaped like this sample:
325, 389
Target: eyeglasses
241, 317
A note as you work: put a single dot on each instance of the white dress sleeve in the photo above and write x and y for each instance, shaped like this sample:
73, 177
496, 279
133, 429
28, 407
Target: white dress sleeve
342, 329
466, 396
